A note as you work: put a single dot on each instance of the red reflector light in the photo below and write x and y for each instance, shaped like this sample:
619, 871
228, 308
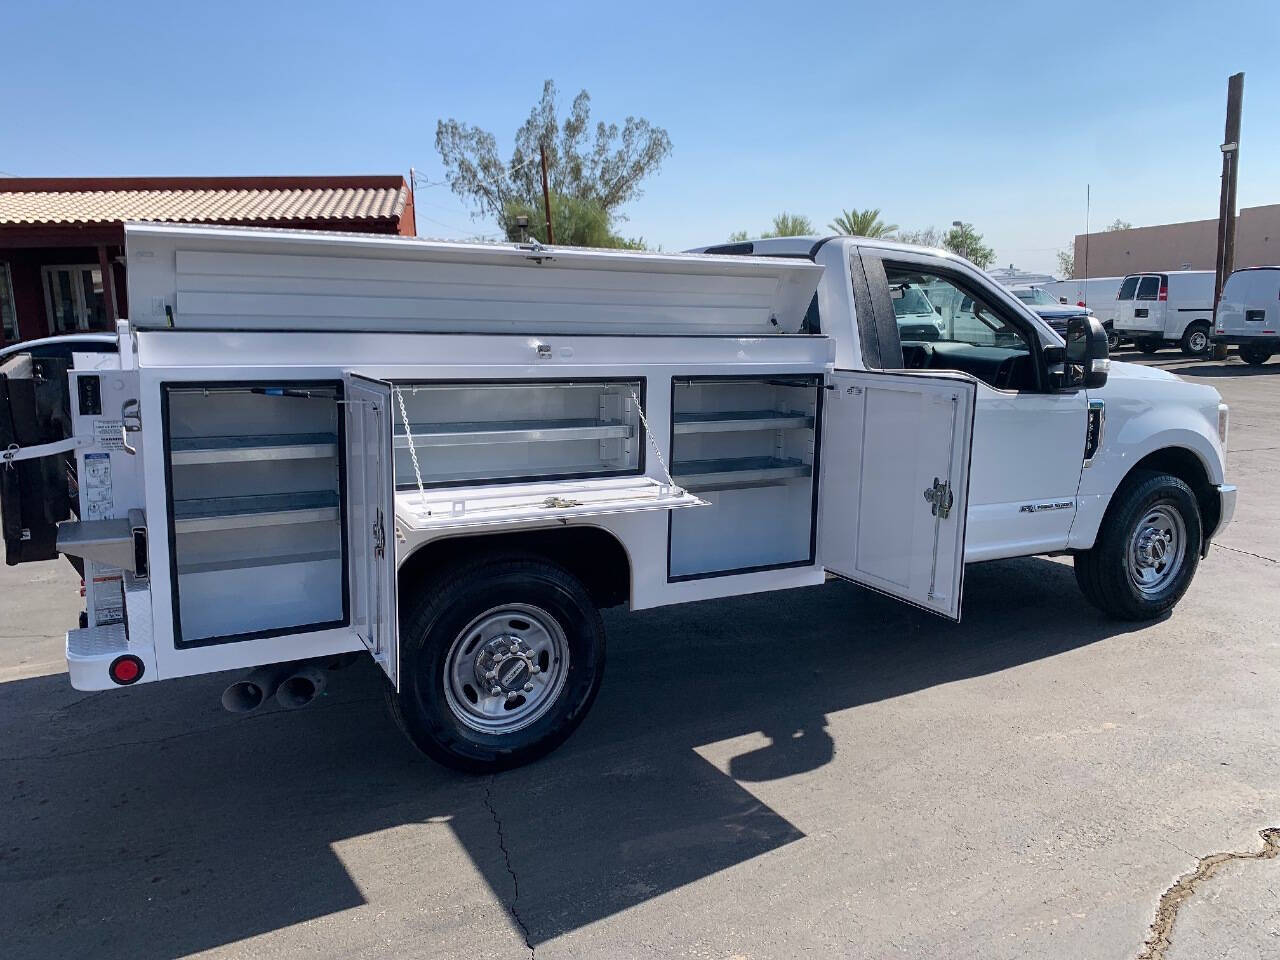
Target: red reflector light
1164, 290
1081, 303
125, 669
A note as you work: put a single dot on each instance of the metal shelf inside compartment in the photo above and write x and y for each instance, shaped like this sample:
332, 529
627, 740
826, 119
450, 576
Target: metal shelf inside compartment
287, 446
737, 472
232, 513
734, 420
512, 431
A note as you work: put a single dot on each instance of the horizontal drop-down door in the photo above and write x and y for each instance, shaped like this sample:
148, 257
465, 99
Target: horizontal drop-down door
370, 496
895, 484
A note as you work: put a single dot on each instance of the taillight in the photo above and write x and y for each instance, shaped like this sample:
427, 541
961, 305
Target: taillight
1081, 303
125, 669
1164, 289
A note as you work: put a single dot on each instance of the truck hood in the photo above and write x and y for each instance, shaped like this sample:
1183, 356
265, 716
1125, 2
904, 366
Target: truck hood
1120, 370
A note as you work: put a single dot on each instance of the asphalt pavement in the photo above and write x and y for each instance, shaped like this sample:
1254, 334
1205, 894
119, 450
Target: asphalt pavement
822, 772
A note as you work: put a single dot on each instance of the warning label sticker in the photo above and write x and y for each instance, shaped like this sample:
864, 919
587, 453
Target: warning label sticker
108, 434
108, 599
96, 486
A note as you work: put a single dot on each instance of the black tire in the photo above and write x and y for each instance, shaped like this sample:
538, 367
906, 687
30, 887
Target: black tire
1195, 339
1150, 346
1113, 340
1103, 571
444, 609
1254, 356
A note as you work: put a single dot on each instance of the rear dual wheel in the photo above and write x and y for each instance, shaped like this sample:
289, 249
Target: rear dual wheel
500, 661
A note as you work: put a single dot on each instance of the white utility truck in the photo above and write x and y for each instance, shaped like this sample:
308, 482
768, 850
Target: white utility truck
1167, 309
452, 455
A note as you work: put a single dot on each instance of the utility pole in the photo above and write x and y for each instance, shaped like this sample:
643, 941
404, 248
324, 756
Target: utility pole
546, 194
1226, 258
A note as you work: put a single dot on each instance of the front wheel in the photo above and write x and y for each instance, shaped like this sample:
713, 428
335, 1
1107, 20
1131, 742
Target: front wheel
1254, 356
1147, 550
1195, 339
500, 661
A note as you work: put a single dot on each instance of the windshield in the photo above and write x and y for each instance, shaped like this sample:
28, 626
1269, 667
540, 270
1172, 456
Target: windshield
1035, 295
910, 302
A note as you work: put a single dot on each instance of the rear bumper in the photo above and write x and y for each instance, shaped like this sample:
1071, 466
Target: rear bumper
1226, 510
1264, 340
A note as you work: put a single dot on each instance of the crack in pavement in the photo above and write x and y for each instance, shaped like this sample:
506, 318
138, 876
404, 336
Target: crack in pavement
1246, 553
1161, 936
512, 907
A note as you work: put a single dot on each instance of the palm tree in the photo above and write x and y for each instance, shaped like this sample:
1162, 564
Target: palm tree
862, 223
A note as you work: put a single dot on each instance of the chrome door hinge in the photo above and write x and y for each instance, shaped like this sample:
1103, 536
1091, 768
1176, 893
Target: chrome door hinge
940, 498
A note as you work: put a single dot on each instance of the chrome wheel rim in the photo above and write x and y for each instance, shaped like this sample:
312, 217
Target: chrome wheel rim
1199, 341
1157, 549
506, 669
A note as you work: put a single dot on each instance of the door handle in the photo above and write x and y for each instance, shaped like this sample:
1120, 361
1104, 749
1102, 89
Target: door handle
940, 498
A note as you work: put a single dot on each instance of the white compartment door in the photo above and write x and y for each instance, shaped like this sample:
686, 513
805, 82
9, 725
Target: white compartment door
371, 536
895, 484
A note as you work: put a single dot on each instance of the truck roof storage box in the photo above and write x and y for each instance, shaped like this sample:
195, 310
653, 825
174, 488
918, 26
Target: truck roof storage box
238, 278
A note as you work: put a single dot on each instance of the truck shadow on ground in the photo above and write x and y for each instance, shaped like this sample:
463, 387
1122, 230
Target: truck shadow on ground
146, 823
1199, 367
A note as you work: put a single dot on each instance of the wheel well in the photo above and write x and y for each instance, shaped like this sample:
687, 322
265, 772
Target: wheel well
594, 556
1187, 467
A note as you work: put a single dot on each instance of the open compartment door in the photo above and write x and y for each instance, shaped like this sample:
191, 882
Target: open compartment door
895, 484
370, 503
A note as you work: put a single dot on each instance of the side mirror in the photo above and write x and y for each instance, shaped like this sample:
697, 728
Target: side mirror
1087, 359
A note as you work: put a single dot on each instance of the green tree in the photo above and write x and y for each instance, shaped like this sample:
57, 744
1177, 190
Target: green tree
928, 237
575, 222
1067, 263
738, 236
1119, 224
601, 167
967, 242
862, 223
790, 225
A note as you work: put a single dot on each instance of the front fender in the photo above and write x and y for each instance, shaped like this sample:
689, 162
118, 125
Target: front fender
1133, 430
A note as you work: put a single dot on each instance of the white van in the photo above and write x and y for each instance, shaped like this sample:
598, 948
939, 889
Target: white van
1096, 293
1249, 313
1167, 309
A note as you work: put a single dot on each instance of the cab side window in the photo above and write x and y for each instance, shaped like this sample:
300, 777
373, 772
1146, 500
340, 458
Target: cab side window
1127, 288
944, 326
1148, 288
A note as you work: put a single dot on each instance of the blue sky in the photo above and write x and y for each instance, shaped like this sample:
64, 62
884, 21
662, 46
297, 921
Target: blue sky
997, 114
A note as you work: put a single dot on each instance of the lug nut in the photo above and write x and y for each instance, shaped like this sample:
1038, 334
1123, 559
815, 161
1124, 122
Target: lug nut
495, 690
491, 675
528, 688
515, 648
499, 657
534, 668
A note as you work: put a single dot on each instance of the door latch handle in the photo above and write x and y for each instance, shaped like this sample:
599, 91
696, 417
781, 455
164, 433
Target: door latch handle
130, 422
940, 498
379, 537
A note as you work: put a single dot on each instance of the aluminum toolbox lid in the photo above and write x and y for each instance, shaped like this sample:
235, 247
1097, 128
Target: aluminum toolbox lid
243, 278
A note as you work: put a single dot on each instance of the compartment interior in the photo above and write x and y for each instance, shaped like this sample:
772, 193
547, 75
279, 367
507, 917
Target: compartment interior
748, 446
256, 481
477, 432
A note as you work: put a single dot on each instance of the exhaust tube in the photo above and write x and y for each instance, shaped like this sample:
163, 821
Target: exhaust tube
301, 687
253, 690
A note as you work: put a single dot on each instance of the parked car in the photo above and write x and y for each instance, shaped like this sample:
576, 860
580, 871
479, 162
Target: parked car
1058, 314
1249, 313
1167, 309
